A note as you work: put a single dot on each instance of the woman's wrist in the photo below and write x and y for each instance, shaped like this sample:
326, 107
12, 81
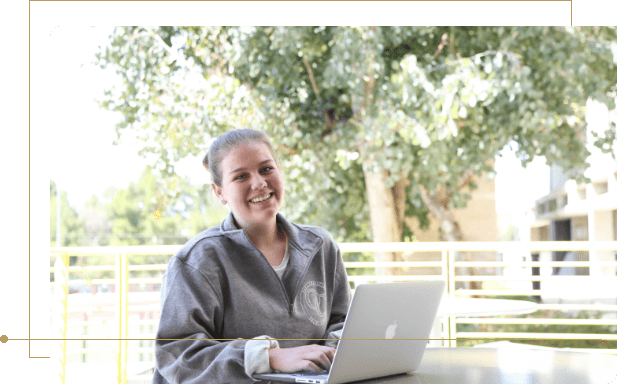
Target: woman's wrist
273, 357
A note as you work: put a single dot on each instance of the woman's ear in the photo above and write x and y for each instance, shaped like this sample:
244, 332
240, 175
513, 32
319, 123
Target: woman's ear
218, 191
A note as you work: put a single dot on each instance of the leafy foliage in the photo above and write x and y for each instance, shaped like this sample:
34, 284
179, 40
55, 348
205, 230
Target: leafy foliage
71, 227
129, 217
142, 214
431, 105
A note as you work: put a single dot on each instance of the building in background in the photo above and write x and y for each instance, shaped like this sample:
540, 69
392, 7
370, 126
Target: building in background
580, 212
477, 221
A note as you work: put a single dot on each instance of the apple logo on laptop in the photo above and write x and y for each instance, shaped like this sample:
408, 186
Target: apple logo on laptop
390, 330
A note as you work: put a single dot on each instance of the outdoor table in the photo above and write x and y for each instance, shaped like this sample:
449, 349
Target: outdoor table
468, 307
508, 366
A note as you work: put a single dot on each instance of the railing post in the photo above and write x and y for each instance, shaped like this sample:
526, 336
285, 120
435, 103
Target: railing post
61, 292
125, 302
121, 290
445, 324
451, 294
84, 344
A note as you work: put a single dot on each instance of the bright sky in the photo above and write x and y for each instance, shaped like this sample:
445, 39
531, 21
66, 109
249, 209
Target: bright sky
82, 159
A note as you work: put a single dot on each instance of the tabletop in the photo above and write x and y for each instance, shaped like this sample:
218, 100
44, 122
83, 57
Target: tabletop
515, 365
508, 366
471, 307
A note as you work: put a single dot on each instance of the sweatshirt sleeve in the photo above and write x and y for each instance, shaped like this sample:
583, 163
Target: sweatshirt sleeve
256, 356
191, 317
340, 302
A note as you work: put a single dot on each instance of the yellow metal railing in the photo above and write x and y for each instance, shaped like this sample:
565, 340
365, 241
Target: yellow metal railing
448, 266
60, 314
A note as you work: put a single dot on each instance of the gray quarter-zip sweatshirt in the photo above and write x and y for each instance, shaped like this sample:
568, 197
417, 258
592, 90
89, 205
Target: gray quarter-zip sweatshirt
220, 286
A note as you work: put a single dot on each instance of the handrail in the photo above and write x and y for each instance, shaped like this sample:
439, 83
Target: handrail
374, 247
450, 272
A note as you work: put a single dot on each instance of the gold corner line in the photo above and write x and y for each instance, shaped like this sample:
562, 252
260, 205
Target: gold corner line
240, 339
29, 176
32, 1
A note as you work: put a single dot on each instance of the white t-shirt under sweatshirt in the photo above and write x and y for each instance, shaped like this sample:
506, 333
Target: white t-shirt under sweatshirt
256, 357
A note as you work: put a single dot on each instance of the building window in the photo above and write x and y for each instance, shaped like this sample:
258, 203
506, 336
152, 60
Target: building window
552, 205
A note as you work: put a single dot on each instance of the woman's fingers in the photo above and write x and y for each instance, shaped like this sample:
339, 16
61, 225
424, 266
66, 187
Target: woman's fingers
315, 358
330, 353
314, 368
323, 361
322, 357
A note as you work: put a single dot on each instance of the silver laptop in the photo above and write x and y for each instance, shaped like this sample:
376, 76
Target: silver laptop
392, 322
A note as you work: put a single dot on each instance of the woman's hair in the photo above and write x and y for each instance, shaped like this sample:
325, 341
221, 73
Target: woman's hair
227, 142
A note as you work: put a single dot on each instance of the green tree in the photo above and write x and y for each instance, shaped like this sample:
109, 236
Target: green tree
96, 225
142, 214
71, 227
375, 124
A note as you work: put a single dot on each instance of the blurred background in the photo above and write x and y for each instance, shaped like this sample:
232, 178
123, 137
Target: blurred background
387, 134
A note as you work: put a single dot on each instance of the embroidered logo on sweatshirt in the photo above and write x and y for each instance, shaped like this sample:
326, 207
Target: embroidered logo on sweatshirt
313, 300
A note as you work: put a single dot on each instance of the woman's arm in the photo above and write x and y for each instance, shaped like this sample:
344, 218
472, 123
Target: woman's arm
191, 318
341, 299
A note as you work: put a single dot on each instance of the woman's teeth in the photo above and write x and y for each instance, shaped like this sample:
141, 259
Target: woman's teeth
261, 198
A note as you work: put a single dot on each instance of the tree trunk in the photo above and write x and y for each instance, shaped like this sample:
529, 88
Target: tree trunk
450, 229
387, 207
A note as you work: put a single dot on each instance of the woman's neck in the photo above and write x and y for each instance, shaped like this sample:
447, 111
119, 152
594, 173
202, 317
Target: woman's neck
264, 235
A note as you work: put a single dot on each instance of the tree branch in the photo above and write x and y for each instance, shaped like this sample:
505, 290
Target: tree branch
458, 56
329, 123
287, 149
447, 221
311, 77
444, 38
400, 198
465, 180
158, 39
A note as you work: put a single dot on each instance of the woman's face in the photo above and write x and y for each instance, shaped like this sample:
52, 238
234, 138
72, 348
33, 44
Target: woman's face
249, 172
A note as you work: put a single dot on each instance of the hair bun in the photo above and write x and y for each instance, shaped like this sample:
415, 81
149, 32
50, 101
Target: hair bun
205, 162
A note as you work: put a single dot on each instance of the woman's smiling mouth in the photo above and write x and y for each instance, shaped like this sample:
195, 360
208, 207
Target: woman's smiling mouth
259, 199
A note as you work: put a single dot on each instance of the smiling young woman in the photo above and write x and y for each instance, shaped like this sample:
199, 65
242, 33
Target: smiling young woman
257, 277
253, 187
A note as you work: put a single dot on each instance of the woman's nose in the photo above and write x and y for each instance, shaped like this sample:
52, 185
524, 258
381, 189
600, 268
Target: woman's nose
259, 182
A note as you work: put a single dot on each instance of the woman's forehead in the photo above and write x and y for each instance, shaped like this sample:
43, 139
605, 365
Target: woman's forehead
247, 155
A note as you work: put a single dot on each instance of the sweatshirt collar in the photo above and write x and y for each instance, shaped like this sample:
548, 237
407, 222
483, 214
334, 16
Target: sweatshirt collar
298, 237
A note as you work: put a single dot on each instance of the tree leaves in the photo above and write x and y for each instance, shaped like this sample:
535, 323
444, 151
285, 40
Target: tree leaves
426, 103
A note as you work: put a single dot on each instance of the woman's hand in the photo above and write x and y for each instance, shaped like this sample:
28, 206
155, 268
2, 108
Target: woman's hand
314, 358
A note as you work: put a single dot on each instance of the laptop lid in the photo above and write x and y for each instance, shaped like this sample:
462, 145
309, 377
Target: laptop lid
385, 332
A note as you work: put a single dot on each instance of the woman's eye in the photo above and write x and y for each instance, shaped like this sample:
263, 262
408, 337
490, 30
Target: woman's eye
244, 176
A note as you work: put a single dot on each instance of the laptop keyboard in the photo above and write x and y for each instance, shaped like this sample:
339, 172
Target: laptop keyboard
309, 376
